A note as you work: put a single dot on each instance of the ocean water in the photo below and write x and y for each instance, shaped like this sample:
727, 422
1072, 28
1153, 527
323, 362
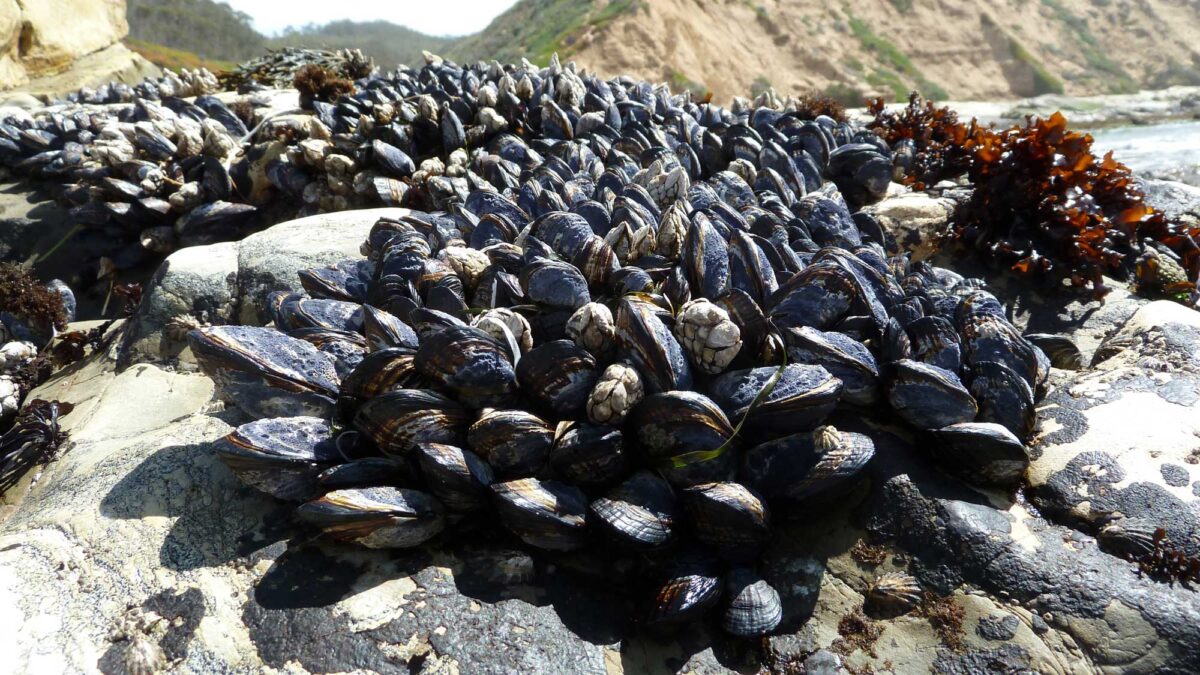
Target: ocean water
1152, 148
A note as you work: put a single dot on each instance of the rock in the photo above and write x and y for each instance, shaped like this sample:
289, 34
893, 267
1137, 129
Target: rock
138, 544
268, 261
917, 220
193, 286
113, 63
39, 47
228, 282
1172, 198
1120, 439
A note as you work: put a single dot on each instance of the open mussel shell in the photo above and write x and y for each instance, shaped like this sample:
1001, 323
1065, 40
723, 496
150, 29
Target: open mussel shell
1004, 397
376, 517
588, 454
558, 375
807, 469
457, 477
800, 398
692, 587
639, 513
729, 518
364, 473
469, 363
513, 442
754, 607
651, 348
929, 397
266, 373
281, 456
544, 514
685, 436
844, 357
983, 453
399, 420
891, 595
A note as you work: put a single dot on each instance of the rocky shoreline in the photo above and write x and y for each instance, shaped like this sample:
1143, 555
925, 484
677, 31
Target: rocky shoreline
138, 541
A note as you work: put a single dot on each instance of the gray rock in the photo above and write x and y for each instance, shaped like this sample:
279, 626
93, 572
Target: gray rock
998, 628
917, 220
1171, 197
228, 282
195, 285
1104, 433
268, 261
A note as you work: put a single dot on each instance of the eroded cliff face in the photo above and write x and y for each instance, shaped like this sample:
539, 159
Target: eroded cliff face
44, 38
962, 49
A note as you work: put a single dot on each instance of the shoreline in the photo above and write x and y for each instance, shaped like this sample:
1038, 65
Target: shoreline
1104, 111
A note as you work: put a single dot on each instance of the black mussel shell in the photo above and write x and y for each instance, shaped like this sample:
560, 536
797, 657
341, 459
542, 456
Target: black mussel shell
929, 397
844, 357
513, 442
544, 514
469, 363
692, 587
588, 454
558, 375
1004, 397
366, 472
793, 398
983, 453
377, 517
807, 469
401, 419
640, 513
685, 436
651, 348
728, 517
281, 456
266, 373
457, 477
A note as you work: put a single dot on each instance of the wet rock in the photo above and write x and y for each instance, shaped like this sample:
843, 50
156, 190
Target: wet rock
1173, 198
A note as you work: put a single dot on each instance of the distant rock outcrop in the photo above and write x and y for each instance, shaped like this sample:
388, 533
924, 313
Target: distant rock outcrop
42, 53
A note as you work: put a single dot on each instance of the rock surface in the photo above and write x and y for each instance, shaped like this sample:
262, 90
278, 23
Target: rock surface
227, 282
138, 541
44, 54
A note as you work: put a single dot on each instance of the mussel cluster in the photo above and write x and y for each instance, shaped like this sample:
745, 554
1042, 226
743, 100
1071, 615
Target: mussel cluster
628, 330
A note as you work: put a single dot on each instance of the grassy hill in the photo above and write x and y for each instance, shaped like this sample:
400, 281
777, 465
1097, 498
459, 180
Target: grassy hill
979, 49
388, 43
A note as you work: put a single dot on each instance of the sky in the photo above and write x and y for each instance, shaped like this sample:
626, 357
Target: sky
435, 17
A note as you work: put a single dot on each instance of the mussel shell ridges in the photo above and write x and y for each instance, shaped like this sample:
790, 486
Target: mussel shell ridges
280, 456
378, 517
544, 514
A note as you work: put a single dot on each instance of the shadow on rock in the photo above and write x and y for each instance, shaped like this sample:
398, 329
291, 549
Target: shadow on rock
216, 520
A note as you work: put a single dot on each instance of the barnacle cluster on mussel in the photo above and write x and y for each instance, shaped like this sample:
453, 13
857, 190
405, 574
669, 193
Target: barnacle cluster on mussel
629, 330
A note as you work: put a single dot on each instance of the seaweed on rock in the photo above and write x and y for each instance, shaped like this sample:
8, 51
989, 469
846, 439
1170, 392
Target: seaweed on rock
1043, 203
